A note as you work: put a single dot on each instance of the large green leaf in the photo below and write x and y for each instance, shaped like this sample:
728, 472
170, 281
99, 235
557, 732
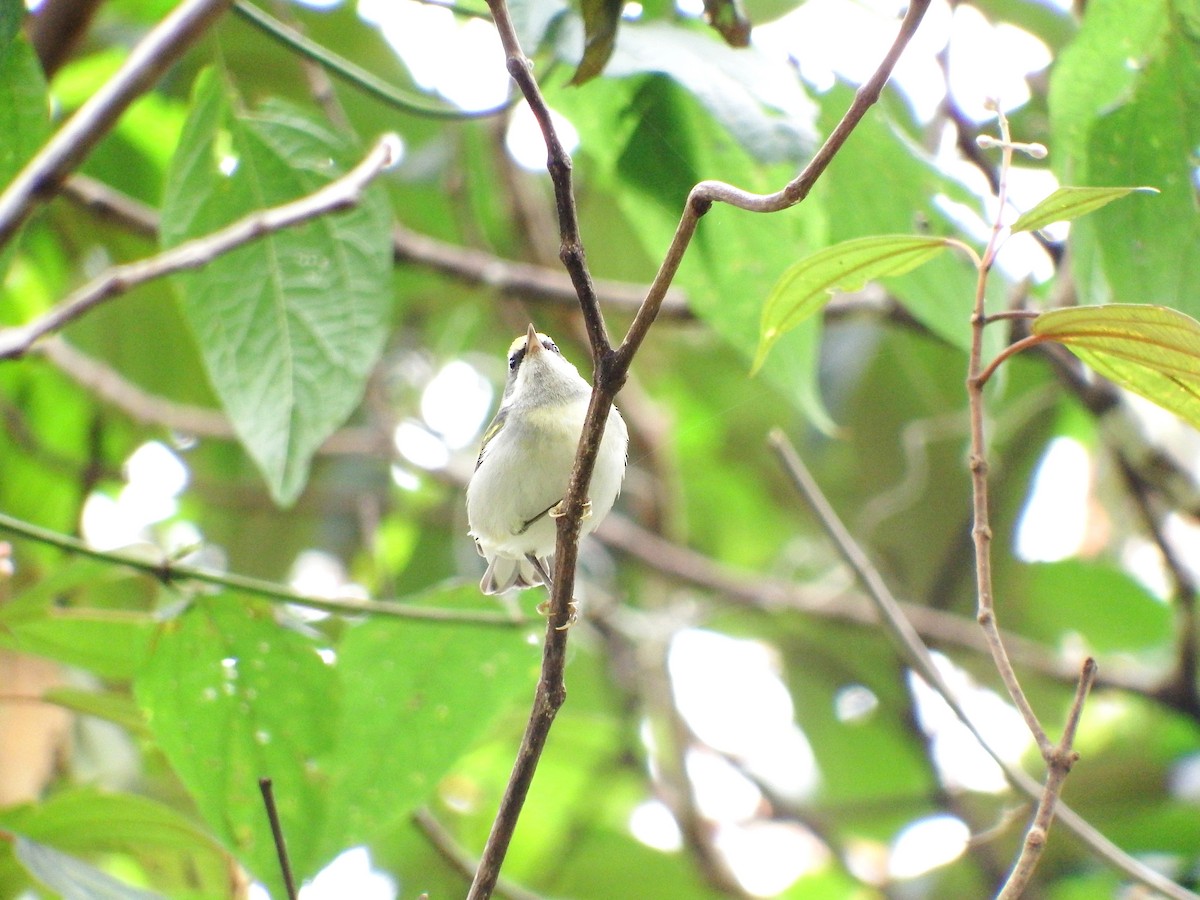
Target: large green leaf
415, 697
1069, 203
290, 325
805, 288
1120, 100
758, 100
1151, 350
232, 697
183, 859
109, 643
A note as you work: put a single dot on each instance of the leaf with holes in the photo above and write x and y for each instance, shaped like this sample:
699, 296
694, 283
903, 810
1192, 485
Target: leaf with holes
1153, 351
290, 325
1069, 203
807, 286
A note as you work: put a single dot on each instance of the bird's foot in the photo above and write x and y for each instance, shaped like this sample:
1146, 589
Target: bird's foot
544, 608
557, 511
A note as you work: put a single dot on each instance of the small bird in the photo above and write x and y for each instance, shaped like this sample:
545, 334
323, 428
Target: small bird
528, 450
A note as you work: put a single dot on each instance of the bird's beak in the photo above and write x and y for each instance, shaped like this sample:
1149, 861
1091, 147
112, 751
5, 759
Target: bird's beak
532, 345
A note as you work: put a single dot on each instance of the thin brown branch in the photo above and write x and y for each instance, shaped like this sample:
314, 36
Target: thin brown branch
706, 193
111, 205
917, 655
339, 194
558, 164
981, 530
521, 280
524, 281
611, 369
156, 52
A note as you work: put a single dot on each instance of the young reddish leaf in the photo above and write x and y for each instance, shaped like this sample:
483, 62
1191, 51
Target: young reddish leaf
808, 285
1151, 350
1069, 203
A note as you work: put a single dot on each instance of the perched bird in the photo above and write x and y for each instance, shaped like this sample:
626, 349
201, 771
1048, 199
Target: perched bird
521, 476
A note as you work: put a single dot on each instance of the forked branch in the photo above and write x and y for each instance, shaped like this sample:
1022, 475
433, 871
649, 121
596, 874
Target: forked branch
611, 369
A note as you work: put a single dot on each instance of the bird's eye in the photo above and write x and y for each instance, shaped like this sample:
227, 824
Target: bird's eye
551, 346
515, 359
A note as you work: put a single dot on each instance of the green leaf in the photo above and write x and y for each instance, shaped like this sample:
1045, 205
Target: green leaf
1069, 203
183, 859
756, 99
1150, 350
110, 643
290, 325
806, 287
232, 697
111, 707
11, 14
415, 697
72, 878
24, 112
600, 21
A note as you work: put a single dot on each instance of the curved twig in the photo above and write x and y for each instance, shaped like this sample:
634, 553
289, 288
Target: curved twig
349, 72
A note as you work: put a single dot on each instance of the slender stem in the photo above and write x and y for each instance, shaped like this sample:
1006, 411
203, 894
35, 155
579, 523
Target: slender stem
981, 531
1011, 350
339, 194
281, 852
170, 572
42, 175
351, 73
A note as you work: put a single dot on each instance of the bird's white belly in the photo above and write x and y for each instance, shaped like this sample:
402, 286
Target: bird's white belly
507, 508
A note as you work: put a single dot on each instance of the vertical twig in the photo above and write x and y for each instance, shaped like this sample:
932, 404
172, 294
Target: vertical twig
281, 853
1058, 758
981, 531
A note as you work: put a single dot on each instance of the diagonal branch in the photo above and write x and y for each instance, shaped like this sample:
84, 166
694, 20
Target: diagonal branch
917, 655
63, 152
706, 193
339, 194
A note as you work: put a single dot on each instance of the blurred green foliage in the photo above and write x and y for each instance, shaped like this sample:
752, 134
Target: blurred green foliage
182, 698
